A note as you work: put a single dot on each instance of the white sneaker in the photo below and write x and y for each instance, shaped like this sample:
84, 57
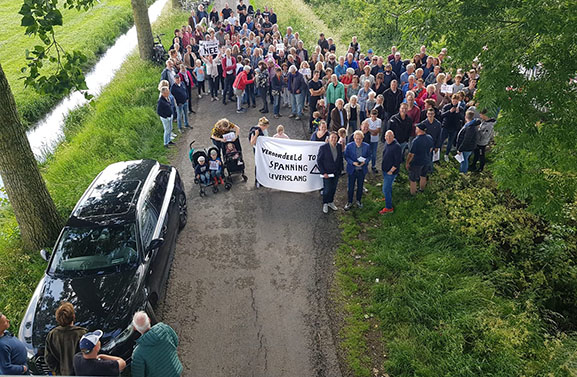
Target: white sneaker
332, 206
446, 158
325, 208
200, 96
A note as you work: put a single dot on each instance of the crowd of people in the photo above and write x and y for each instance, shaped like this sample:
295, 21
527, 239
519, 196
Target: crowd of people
421, 105
72, 350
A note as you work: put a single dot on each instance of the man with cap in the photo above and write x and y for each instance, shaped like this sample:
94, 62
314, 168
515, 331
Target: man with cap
12, 351
89, 363
419, 159
370, 54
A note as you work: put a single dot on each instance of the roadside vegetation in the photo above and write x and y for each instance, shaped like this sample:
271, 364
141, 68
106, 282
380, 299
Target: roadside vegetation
91, 32
121, 124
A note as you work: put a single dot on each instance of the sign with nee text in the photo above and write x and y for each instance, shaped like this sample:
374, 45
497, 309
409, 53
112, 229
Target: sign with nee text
208, 48
288, 165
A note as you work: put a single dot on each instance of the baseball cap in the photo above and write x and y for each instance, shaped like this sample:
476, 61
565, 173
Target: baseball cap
89, 341
422, 126
370, 51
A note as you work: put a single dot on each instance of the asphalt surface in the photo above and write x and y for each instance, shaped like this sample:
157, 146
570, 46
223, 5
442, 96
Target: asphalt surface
247, 293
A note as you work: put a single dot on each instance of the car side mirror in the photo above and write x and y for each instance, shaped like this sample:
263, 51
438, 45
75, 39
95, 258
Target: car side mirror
45, 254
155, 244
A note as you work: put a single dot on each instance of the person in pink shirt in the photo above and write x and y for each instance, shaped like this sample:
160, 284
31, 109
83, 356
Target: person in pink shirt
280, 133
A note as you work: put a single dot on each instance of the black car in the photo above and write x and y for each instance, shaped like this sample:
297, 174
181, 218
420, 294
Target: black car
112, 258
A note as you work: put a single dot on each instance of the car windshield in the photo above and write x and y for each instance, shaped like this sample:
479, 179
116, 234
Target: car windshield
95, 250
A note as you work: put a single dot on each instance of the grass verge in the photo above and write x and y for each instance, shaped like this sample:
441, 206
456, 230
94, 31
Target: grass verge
460, 281
90, 32
120, 125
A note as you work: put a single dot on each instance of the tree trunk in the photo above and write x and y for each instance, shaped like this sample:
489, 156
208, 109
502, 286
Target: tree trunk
176, 4
143, 29
33, 207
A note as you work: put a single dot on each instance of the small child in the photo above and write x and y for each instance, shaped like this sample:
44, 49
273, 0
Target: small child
215, 167
280, 133
315, 122
231, 152
342, 137
371, 102
201, 171
199, 76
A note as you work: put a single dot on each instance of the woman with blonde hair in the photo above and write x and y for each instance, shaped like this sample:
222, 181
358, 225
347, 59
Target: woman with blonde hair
221, 128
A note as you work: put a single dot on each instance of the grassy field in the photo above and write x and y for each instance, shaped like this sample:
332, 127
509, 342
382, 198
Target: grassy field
459, 281
90, 32
120, 125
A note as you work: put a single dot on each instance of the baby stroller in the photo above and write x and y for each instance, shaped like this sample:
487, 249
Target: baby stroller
193, 155
233, 162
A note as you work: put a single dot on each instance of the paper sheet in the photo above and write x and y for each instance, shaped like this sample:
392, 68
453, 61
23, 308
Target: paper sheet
229, 136
436, 155
459, 157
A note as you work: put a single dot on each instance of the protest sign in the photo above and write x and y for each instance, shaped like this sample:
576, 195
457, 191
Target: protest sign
447, 89
279, 47
288, 165
208, 48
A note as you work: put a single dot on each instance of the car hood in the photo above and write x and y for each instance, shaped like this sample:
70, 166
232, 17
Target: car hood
105, 302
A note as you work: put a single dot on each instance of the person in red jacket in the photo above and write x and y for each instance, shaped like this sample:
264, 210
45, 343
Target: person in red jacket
239, 85
228, 73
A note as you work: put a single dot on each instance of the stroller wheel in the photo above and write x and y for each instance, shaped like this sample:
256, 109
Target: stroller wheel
215, 189
228, 186
201, 193
244, 178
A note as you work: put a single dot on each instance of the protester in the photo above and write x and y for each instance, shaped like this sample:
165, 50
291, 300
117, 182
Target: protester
297, 88
276, 91
13, 356
419, 158
357, 154
484, 136
228, 63
321, 134
339, 116
255, 132
353, 112
452, 122
62, 342
155, 354
239, 85
335, 90
164, 111
280, 134
179, 91
390, 165
393, 98
401, 125
89, 363
467, 140
330, 163
375, 125
221, 128
433, 127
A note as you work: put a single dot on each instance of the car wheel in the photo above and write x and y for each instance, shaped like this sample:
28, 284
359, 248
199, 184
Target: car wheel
182, 211
151, 314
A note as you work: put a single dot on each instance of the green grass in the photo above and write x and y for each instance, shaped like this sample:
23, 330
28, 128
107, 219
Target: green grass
119, 125
450, 299
90, 32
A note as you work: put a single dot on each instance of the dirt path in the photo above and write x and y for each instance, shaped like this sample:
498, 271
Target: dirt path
247, 291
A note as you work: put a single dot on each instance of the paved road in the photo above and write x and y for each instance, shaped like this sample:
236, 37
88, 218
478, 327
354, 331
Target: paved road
247, 291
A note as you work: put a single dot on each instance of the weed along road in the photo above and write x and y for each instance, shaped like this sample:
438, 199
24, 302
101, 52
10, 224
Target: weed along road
247, 291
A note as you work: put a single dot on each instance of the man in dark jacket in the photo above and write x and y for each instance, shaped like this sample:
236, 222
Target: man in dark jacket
391, 163
62, 342
338, 116
323, 43
419, 158
453, 116
330, 163
389, 76
155, 354
393, 98
180, 94
297, 87
467, 140
397, 64
401, 124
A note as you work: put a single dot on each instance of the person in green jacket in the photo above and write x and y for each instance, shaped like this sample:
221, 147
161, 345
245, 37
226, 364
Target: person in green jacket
155, 353
335, 90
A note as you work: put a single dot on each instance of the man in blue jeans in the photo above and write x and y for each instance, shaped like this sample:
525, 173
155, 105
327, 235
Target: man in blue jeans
375, 125
357, 155
178, 90
392, 158
467, 140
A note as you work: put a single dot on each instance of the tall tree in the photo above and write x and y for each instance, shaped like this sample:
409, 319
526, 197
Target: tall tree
33, 207
143, 29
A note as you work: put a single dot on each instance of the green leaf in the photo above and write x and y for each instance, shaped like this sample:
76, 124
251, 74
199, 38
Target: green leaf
27, 21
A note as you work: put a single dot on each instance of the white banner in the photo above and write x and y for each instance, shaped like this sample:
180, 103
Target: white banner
208, 48
288, 165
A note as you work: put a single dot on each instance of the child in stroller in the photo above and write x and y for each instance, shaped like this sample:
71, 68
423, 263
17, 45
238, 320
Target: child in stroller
202, 173
233, 162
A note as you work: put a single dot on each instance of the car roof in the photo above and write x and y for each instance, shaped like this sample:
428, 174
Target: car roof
112, 196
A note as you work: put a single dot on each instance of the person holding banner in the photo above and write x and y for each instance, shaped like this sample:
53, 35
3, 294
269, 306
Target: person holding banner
330, 163
254, 134
357, 155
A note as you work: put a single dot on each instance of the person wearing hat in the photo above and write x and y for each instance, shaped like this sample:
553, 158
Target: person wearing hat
419, 159
369, 56
13, 356
89, 363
